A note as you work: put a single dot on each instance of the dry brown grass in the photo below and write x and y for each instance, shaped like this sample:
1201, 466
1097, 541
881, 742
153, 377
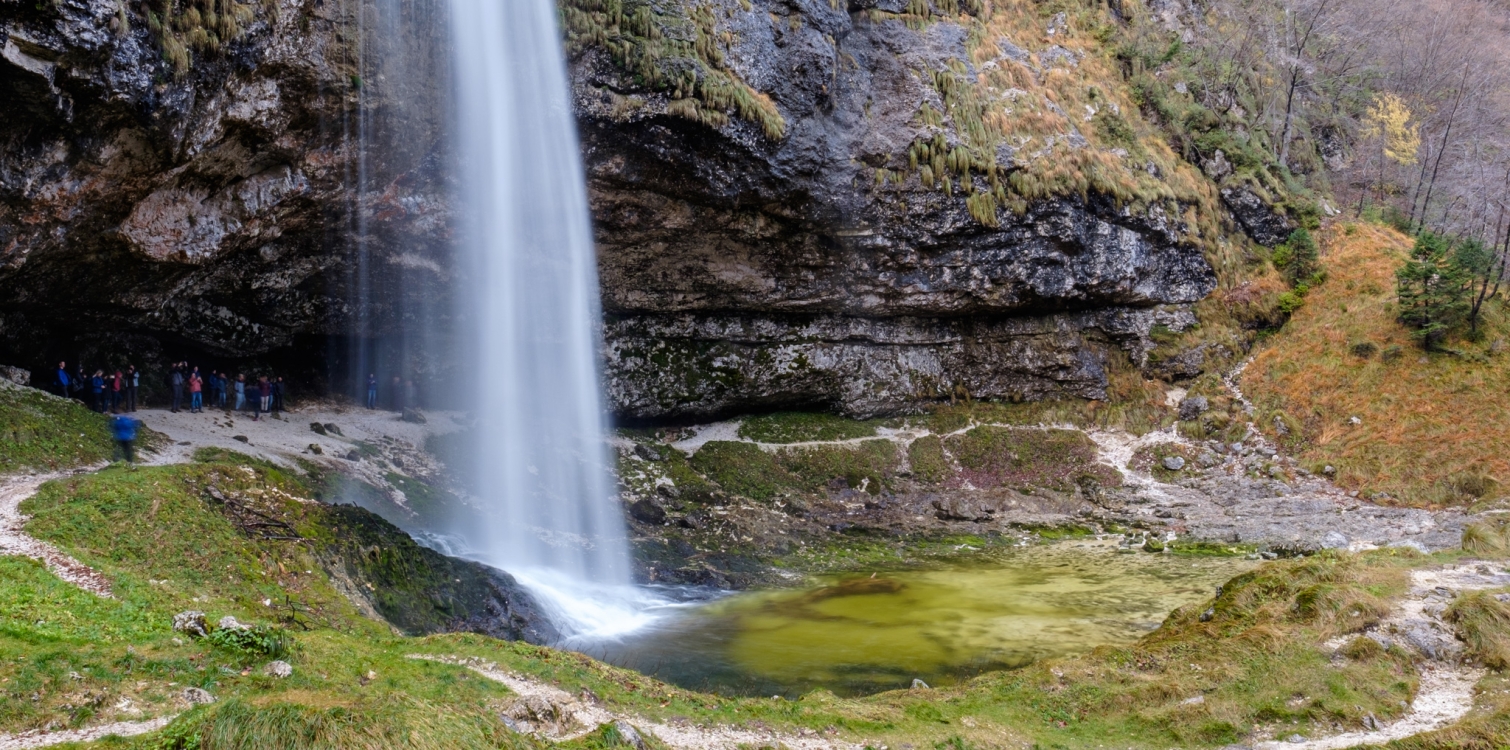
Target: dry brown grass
1435, 428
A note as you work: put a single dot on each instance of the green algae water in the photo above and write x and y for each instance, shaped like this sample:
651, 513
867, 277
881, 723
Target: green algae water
878, 631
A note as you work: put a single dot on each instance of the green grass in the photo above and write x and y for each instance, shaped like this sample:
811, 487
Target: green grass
798, 427
1014, 457
40, 431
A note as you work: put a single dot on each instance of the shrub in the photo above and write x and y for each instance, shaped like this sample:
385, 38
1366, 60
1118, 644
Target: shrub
1364, 349
258, 640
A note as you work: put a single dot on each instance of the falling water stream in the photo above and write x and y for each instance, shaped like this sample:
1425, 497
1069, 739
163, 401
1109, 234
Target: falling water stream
530, 307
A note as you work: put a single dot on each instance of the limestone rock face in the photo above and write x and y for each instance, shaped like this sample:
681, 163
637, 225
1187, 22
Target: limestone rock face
742, 271
222, 210
294, 191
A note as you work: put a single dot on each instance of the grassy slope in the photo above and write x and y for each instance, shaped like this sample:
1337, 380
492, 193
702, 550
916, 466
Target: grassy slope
68, 658
1433, 425
40, 431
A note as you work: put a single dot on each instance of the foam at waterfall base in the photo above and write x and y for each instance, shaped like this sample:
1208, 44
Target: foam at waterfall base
584, 612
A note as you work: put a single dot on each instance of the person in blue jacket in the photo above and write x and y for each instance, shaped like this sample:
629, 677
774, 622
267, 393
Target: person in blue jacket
97, 386
62, 379
124, 430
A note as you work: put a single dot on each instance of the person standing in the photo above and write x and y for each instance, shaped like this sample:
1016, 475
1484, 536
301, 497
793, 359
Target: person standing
278, 394
123, 428
133, 381
196, 392
240, 391
61, 380
176, 380
80, 381
265, 392
97, 387
225, 386
117, 385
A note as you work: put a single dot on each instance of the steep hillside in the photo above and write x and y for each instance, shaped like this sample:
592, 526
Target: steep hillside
1431, 427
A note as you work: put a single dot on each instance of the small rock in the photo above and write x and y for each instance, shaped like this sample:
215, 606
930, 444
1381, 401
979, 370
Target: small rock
191, 623
1329, 470
354, 455
366, 678
647, 511
647, 452
331, 428
918, 684
1174, 463
1334, 540
1196, 701
230, 623
316, 449
414, 416
1193, 407
1295, 739
317, 428
1354, 421
198, 696
279, 669
628, 735
1208, 614
1371, 723
1236, 447
242, 438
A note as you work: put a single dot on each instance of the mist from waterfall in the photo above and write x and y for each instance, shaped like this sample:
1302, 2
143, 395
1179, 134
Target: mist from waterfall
530, 311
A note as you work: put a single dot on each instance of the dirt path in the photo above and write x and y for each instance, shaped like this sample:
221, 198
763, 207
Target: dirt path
1446, 690
27, 740
15, 541
548, 711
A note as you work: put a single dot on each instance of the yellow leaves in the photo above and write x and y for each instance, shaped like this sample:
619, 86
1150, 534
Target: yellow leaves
1389, 119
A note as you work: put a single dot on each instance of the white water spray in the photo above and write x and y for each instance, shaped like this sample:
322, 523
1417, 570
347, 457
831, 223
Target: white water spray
531, 307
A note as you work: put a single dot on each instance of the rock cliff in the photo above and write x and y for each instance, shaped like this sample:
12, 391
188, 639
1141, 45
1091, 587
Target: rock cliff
797, 204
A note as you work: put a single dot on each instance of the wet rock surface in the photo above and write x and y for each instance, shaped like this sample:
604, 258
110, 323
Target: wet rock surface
1241, 498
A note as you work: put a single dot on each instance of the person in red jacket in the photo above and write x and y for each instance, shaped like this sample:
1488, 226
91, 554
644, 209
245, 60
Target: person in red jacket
196, 392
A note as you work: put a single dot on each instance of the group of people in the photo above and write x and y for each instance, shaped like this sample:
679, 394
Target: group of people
264, 395
401, 394
113, 392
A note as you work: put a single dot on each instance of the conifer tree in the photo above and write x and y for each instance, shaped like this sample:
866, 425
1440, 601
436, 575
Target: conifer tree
1432, 290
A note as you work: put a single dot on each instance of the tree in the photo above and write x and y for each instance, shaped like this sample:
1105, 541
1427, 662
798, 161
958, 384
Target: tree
1432, 290
1389, 120
1484, 269
1298, 258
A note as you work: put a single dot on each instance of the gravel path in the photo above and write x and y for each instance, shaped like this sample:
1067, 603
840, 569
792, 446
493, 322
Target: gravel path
15, 541
27, 740
548, 711
1446, 690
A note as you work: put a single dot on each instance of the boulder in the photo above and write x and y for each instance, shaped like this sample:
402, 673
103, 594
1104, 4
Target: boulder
197, 696
1334, 540
15, 375
230, 623
629, 736
279, 669
1192, 407
956, 508
648, 511
317, 428
1174, 463
413, 416
191, 623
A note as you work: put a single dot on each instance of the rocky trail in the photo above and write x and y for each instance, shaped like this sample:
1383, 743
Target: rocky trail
1447, 682
547, 711
15, 541
27, 740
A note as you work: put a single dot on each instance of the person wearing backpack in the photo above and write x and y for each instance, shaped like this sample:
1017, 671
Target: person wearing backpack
123, 429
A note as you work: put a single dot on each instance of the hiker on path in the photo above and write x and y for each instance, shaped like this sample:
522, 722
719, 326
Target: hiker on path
123, 428
196, 392
117, 386
278, 395
176, 379
372, 391
240, 392
133, 381
60, 380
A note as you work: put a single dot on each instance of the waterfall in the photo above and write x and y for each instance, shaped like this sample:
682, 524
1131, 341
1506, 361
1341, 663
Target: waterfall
530, 311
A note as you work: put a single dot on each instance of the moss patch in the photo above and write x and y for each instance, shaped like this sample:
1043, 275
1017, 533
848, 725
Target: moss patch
40, 431
798, 427
1013, 457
